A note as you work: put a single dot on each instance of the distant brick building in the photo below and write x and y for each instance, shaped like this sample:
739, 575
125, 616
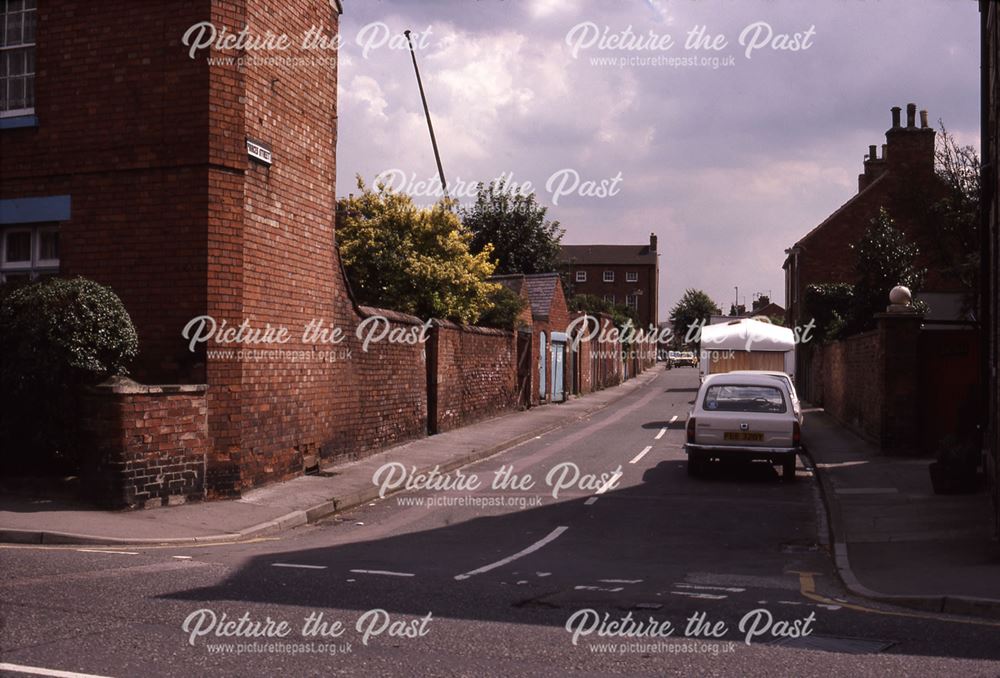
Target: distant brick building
622, 274
903, 181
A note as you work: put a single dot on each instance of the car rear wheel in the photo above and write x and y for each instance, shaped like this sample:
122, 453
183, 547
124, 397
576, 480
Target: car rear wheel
788, 468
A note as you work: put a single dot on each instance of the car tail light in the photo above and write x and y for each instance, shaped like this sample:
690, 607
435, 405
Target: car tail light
796, 433
690, 430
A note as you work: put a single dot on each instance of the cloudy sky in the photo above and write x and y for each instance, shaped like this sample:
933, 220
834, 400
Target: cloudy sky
728, 159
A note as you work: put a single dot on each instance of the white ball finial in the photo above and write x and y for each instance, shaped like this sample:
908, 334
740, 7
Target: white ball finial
900, 295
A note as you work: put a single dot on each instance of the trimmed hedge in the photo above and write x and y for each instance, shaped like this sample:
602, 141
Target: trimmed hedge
58, 336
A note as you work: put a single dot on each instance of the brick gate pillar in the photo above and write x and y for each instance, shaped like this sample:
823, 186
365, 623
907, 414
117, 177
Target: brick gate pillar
899, 335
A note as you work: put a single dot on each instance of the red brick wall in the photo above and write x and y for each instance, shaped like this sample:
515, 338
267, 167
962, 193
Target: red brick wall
846, 379
149, 444
596, 286
476, 374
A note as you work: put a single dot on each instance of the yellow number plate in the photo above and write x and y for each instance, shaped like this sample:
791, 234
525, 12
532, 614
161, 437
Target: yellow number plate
745, 436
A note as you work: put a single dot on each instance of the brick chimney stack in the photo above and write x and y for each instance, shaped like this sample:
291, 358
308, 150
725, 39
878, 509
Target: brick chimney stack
652, 242
910, 149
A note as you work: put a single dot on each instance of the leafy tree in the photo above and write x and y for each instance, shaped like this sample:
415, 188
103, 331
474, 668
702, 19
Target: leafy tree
513, 225
957, 213
829, 305
695, 307
412, 260
505, 307
884, 258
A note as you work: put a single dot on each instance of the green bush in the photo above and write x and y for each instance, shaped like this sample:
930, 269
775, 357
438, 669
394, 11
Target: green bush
829, 304
58, 336
505, 307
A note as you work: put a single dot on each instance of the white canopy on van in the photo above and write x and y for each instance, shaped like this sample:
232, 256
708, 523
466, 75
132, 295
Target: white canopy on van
747, 334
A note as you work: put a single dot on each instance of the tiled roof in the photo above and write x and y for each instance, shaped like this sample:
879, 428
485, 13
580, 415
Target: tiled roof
540, 288
607, 254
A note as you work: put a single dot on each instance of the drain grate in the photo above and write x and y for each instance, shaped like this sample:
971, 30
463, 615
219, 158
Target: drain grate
835, 644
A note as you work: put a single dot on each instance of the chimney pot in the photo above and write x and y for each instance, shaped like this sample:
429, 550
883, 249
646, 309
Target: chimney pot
895, 116
911, 115
885, 151
652, 241
871, 152
923, 119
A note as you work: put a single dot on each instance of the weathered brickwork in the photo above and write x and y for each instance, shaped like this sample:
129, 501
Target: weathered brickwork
847, 380
149, 444
476, 374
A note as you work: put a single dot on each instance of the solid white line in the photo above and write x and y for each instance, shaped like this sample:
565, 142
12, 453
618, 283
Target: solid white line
37, 671
124, 553
710, 588
610, 481
590, 501
660, 434
387, 573
642, 454
520, 554
304, 567
182, 557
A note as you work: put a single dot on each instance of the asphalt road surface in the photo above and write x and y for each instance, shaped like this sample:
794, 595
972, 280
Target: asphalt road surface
635, 568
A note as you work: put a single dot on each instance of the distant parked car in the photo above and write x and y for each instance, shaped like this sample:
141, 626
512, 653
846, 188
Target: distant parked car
685, 359
744, 416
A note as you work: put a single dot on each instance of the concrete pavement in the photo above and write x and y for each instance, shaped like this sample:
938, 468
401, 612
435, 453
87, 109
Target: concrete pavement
894, 540
295, 502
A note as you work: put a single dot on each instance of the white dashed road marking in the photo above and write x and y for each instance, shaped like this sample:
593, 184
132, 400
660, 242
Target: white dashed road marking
304, 567
660, 434
702, 596
730, 589
121, 553
636, 458
554, 534
620, 581
38, 671
385, 573
609, 483
590, 501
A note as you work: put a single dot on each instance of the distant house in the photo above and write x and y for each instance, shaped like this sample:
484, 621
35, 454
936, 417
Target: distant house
621, 274
548, 316
903, 181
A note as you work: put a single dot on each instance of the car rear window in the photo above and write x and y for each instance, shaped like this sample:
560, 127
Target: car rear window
744, 398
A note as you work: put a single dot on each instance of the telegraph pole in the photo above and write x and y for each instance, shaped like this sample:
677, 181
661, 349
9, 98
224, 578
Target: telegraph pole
427, 113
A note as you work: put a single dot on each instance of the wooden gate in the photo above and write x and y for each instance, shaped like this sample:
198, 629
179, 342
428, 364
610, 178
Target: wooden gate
523, 370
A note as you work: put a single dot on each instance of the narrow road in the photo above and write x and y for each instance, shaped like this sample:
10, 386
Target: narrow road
502, 571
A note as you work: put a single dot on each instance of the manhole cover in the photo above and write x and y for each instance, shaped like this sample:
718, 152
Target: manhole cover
834, 644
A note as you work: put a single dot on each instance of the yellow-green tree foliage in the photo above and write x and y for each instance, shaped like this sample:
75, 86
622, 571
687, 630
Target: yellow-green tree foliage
411, 259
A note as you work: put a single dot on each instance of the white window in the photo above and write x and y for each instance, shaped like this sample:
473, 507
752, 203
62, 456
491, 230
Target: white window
28, 252
632, 301
581, 276
609, 276
631, 276
17, 57
610, 298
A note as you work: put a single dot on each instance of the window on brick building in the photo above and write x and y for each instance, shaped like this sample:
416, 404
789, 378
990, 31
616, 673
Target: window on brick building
609, 276
581, 276
632, 301
610, 298
631, 276
28, 253
17, 57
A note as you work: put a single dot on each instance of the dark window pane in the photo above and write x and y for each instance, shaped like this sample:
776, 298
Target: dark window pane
15, 93
29, 92
18, 247
14, 23
15, 62
29, 27
48, 245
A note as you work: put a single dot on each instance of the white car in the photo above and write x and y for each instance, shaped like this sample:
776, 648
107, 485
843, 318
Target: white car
744, 416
